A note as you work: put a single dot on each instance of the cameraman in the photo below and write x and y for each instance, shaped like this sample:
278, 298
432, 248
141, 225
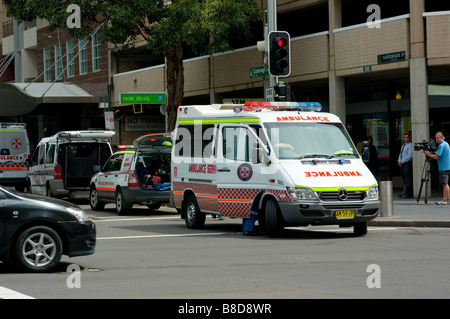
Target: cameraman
443, 159
405, 163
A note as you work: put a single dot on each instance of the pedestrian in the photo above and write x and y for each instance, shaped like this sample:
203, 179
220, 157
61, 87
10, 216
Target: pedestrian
442, 156
248, 224
372, 163
405, 163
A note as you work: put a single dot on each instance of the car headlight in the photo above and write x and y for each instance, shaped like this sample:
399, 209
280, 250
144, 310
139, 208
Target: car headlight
372, 193
79, 214
301, 193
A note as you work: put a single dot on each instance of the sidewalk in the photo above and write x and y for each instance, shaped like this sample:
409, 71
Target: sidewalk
409, 213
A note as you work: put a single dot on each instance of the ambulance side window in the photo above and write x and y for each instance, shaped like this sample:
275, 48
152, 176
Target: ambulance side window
41, 155
237, 143
50, 154
195, 140
35, 158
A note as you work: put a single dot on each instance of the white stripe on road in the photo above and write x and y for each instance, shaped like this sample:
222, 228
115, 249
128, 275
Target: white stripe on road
160, 236
6, 293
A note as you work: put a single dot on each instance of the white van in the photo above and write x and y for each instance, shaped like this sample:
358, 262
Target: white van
62, 165
14, 155
290, 166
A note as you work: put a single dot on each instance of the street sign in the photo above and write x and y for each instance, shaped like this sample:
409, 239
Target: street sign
258, 71
367, 69
392, 57
270, 95
143, 98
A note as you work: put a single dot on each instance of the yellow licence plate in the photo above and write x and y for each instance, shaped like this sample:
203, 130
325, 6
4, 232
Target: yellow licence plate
344, 214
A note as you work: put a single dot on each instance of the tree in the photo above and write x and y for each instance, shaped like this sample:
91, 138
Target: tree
205, 26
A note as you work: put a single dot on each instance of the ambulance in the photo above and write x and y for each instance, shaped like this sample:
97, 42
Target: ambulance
285, 162
62, 165
14, 155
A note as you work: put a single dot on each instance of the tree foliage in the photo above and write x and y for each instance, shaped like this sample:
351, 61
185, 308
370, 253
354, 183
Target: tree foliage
206, 26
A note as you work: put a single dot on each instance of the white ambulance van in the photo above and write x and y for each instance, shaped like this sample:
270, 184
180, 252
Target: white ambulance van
14, 155
285, 162
62, 165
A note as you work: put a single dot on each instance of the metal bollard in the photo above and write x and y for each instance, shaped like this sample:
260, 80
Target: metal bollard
386, 198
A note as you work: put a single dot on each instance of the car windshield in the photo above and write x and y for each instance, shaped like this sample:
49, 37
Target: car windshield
310, 140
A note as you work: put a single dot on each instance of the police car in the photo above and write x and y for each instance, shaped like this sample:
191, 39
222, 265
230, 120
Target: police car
140, 176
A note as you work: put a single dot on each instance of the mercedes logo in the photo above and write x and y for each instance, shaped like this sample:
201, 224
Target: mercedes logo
342, 194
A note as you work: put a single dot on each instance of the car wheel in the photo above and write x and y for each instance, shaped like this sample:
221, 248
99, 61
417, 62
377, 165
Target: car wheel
273, 219
38, 249
94, 200
193, 217
48, 191
122, 206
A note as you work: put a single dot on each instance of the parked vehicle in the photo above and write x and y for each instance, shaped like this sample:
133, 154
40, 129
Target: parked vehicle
35, 231
14, 155
141, 176
62, 165
285, 162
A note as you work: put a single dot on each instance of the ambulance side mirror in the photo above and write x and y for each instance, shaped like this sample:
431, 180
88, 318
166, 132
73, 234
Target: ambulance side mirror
260, 153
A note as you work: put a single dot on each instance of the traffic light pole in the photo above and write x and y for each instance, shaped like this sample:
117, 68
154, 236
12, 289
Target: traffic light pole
272, 26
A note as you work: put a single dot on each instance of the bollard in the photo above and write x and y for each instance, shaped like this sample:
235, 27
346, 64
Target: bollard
386, 194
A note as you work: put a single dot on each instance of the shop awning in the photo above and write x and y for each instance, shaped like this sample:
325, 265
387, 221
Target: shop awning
22, 98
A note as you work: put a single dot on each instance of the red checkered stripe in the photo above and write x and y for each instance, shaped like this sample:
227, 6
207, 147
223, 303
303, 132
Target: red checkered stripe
237, 202
280, 195
14, 166
206, 195
229, 202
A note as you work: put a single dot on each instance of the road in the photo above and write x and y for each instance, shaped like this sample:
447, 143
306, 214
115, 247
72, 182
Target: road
155, 256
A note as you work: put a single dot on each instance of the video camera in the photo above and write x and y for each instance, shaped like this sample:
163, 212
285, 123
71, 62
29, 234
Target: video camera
429, 145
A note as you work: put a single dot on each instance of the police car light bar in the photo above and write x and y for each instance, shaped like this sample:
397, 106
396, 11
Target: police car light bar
283, 106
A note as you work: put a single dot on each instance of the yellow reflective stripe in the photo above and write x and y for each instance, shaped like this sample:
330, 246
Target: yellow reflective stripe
15, 131
213, 121
335, 189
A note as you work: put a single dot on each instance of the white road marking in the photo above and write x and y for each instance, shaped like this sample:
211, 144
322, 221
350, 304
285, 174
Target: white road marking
6, 293
161, 236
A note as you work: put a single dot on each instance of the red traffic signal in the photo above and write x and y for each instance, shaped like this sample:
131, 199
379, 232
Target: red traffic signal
279, 57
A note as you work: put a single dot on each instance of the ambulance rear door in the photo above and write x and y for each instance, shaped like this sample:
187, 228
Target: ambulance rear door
239, 180
14, 152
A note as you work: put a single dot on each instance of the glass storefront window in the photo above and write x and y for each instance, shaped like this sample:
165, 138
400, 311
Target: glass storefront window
376, 125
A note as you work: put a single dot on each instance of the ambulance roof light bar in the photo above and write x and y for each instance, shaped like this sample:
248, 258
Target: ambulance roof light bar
282, 106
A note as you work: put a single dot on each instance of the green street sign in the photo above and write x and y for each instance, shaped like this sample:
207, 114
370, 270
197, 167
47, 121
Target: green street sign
392, 57
143, 98
258, 71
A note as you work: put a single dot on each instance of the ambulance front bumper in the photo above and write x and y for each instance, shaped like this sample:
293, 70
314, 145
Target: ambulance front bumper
328, 213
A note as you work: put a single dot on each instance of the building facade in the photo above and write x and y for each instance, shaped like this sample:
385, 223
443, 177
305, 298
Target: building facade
380, 66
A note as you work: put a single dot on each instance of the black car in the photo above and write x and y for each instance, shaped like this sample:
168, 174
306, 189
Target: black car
35, 231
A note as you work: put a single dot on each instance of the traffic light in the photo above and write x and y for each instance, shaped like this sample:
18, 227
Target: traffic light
279, 53
282, 92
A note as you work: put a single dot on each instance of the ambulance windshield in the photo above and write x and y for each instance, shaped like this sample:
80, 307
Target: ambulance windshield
310, 140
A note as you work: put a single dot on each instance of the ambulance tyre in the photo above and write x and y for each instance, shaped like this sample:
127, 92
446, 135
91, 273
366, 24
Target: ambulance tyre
94, 200
273, 219
360, 229
193, 217
122, 206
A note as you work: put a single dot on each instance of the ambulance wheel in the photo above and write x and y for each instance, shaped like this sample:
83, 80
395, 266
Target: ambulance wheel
122, 206
193, 217
360, 229
273, 219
